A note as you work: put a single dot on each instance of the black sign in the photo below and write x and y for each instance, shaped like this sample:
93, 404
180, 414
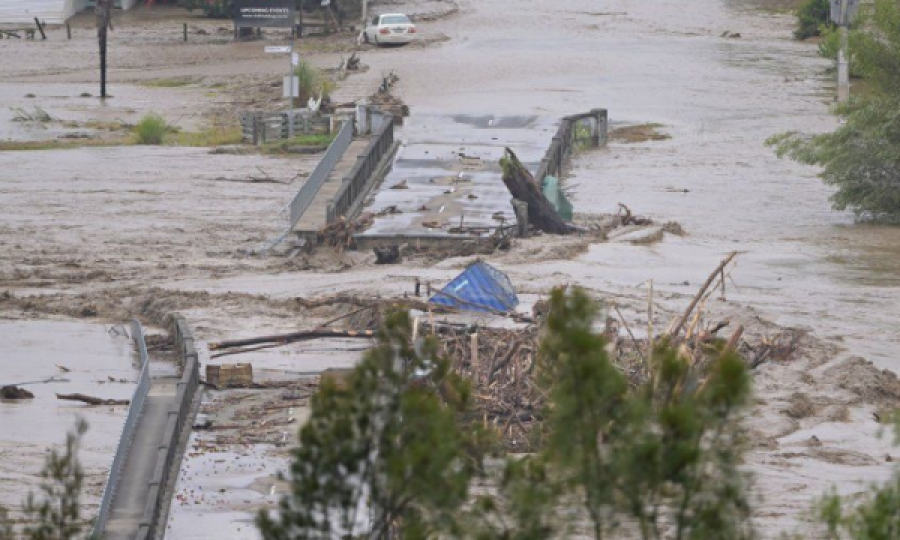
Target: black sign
264, 13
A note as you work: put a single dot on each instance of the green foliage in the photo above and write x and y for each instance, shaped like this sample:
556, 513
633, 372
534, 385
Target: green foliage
522, 507
877, 517
312, 83
812, 17
384, 451
386, 454
55, 514
217, 9
862, 157
665, 452
151, 129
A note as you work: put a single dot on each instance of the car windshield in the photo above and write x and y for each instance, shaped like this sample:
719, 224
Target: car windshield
395, 19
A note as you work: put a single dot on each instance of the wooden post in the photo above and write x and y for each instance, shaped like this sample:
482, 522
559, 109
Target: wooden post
40, 28
185, 32
69, 30
474, 344
521, 210
103, 11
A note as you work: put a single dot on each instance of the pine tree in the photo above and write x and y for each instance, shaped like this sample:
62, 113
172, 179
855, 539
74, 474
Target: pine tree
665, 453
54, 514
385, 454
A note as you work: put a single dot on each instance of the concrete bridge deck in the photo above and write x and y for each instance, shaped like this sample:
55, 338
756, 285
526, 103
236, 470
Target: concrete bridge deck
314, 218
446, 181
130, 498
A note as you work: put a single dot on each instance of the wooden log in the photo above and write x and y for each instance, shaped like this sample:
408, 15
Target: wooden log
522, 186
292, 337
91, 400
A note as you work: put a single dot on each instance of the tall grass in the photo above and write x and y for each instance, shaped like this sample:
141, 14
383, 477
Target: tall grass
151, 129
312, 82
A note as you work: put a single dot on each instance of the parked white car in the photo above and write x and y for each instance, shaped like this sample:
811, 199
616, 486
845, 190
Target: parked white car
390, 28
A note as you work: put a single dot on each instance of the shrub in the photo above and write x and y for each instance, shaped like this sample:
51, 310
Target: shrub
217, 9
312, 82
151, 129
811, 17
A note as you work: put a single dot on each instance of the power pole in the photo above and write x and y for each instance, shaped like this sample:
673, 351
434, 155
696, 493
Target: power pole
365, 13
103, 10
843, 60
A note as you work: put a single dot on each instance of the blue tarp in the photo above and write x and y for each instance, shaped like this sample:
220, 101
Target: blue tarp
481, 287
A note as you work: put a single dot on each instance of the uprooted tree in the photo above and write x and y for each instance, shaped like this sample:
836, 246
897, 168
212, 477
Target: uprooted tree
523, 187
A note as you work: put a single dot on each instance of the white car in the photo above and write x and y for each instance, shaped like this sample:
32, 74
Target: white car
393, 28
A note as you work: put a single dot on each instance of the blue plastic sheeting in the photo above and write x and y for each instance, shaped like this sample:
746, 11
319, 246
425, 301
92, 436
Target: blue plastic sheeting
481, 287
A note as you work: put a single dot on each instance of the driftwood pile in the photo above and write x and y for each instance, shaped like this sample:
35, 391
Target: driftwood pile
500, 364
340, 233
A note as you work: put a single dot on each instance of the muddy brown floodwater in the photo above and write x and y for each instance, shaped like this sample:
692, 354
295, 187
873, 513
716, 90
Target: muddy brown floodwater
83, 358
111, 232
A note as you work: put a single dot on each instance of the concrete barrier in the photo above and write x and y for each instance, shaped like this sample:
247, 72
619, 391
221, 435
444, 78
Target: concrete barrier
590, 129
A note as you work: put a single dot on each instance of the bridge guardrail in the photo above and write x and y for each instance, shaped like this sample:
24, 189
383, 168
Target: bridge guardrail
587, 129
125, 440
164, 472
355, 183
331, 158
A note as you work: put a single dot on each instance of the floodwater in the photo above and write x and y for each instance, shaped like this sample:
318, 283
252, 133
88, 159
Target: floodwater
665, 62
34, 351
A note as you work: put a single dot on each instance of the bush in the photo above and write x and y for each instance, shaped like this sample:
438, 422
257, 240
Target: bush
811, 17
312, 83
217, 9
151, 129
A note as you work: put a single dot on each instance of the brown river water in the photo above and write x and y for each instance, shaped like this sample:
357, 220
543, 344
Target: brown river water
665, 62
660, 61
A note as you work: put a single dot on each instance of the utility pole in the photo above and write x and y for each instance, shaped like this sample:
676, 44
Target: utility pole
103, 10
365, 13
843, 60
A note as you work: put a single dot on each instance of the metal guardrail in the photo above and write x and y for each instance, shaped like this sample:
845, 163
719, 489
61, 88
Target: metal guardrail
167, 455
354, 184
262, 127
332, 156
127, 437
588, 129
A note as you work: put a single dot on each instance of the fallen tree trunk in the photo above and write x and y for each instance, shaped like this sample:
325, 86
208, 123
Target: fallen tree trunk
522, 186
91, 400
292, 337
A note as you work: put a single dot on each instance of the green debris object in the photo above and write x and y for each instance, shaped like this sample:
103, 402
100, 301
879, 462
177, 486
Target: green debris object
554, 193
